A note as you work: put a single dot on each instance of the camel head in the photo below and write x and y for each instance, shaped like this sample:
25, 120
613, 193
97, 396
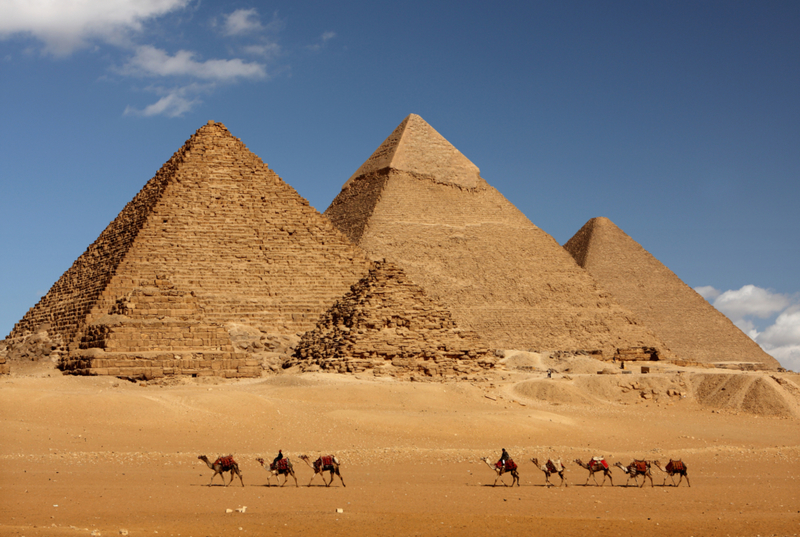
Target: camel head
535, 461
623, 468
260, 461
303, 457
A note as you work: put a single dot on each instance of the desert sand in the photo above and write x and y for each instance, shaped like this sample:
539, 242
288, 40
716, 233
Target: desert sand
105, 456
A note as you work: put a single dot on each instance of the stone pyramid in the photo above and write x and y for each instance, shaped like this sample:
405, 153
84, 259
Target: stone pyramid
388, 324
215, 237
692, 328
418, 202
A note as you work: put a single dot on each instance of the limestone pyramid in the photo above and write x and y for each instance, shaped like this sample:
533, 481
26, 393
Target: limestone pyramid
388, 324
418, 202
692, 328
215, 237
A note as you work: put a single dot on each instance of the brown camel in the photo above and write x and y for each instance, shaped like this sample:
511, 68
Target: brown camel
327, 463
635, 469
672, 468
282, 467
222, 465
551, 468
509, 467
596, 466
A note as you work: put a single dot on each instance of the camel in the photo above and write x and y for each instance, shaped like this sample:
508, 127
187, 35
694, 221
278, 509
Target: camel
328, 463
672, 468
222, 465
279, 468
596, 466
551, 468
509, 467
635, 469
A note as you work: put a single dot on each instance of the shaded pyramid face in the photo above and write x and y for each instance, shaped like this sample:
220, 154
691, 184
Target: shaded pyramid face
387, 324
692, 328
432, 214
214, 237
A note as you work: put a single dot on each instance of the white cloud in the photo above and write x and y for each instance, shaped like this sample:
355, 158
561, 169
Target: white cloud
750, 301
328, 35
785, 331
708, 292
242, 21
781, 338
268, 50
67, 25
174, 103
151, 61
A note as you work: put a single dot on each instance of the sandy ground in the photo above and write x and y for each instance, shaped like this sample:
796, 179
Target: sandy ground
103, 456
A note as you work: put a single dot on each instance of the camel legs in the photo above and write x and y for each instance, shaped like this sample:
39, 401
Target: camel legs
340, 478
215, 475
238, 473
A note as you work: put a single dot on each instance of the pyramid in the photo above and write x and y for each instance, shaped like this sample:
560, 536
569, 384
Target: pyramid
692, 328
388, 325
215, 237
418, 202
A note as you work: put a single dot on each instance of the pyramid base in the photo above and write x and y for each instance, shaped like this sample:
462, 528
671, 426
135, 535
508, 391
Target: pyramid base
152, 365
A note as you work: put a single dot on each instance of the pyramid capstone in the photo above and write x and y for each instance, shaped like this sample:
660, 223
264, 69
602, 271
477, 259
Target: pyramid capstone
692, 328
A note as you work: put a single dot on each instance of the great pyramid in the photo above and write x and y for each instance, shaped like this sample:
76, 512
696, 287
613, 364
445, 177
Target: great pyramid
388, 324
418, 202
692, 328
215, 237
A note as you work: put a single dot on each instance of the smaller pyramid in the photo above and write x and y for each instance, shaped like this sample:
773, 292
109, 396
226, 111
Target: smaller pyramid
692, 328
387, 324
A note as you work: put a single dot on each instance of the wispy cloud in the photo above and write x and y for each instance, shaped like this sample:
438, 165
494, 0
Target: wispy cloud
242, 21
745, 306
151, 61
323, 40
64, 26
174, 101
181, 78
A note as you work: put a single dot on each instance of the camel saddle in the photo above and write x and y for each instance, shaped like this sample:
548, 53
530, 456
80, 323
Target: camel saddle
510, 465
226, 462
601, 461
325, 461
675, 466
641, 466
282, 464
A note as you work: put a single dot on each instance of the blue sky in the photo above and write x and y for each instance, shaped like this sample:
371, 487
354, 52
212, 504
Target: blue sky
679, 121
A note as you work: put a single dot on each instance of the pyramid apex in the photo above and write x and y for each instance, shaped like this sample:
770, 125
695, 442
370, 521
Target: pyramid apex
416, 147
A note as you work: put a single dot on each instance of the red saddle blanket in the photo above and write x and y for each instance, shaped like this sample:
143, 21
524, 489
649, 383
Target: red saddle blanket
675, 466
601, 462
326, 460
551, 467
282, 464
641, 466
510, 465
226, 462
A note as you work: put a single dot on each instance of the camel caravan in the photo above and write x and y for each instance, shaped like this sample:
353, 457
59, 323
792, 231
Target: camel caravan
282, 466
637, 468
